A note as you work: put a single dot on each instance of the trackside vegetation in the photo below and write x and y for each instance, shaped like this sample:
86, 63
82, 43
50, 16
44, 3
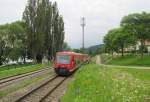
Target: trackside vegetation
94, 83
138, 73
130, 60
13, 66
22, 70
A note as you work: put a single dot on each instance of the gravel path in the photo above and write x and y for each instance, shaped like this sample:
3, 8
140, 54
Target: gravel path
98, 59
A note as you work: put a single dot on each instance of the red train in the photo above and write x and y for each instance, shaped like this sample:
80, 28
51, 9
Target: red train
67, 61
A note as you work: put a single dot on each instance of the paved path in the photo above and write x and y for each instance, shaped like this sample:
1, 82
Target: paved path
98, 61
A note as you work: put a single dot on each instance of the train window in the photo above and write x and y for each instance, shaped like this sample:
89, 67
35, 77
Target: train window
63, 59
76, 61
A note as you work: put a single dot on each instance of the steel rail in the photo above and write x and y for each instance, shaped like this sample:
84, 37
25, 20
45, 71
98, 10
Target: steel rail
32, 91
9, 79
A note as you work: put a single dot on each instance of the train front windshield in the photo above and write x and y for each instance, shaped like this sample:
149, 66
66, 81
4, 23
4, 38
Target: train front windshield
63, 59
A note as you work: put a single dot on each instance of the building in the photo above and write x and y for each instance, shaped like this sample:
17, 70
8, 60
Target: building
137, 46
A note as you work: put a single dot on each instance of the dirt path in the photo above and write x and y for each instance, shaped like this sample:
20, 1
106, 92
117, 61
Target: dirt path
98, 61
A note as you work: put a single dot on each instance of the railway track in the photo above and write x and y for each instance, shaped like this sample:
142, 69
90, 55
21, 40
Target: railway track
50, 92
46, 90
17, 77
43, 92
40, 93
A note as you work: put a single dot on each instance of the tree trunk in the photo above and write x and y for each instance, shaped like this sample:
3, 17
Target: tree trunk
49, 54
24, 59
112, 54
122, 51
142, 46
39, 58
34, 60
1, 63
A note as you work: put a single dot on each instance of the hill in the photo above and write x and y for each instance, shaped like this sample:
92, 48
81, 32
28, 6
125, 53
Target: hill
93, 49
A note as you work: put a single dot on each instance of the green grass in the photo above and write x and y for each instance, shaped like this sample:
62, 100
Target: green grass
142, 74
14, 66
130, 60
105, 58
21, 70
95, 83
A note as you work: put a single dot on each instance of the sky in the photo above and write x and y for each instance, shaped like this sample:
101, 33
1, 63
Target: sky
101, 16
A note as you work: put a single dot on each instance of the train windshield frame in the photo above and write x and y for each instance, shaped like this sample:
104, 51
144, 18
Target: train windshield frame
63, 59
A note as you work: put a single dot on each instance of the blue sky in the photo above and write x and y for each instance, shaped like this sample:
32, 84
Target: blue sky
101, 15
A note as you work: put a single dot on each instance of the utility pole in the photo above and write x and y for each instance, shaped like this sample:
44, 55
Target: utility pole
83, 25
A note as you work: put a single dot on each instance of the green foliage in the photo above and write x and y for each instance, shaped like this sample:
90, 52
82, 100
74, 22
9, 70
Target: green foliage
40, 33
3, 43
45, 28
94, 50
77, 50
14, 66
142, 74
13, 41
109, 43
66, 47
21, 70
117, 39
105, 58
138, 25
131, 60
134, 28
93, 83
143, 48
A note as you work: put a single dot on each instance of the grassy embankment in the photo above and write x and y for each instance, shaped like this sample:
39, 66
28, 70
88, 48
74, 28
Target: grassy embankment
11, 71
128, 60
13, 66
94, 83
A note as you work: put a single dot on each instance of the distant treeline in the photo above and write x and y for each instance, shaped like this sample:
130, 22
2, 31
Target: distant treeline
39, 34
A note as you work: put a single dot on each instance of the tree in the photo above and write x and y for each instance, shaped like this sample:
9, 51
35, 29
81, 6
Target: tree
45, 29
123, 39
109, 42
118, 39
3, 43
76, 50
17, 40
12, 41
57, 30
66, 47
35, 38
138, 25
40, 34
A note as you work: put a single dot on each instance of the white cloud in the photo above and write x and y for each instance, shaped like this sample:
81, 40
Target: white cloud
11, 10
101, 15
